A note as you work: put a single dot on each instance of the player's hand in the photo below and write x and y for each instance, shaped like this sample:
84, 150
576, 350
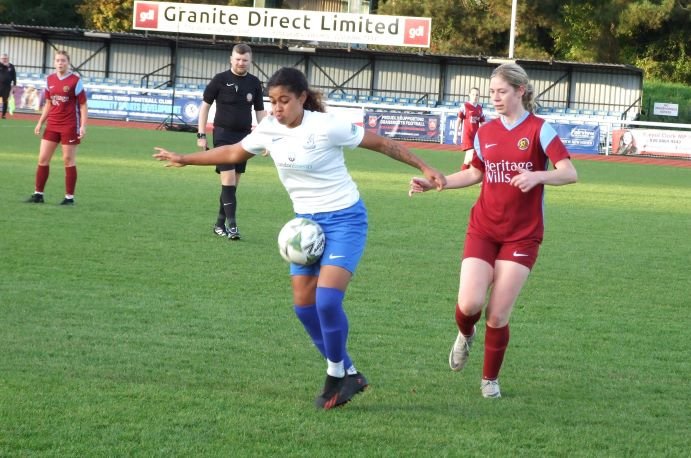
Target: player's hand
174, 160
417, 185
82, 132
525, 180
201, 142
37, 129
435, 177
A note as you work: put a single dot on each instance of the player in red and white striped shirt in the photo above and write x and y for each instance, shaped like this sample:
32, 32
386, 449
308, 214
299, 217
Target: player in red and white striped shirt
65, 111
505, 230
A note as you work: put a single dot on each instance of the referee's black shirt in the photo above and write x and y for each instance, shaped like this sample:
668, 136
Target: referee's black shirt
234, 96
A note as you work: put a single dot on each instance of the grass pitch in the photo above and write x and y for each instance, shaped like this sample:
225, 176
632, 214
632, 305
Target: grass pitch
128, 329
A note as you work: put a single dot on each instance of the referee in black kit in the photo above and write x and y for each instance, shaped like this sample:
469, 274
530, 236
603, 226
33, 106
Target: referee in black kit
235, 92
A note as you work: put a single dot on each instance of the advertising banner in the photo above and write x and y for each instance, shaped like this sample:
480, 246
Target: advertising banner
413, 127
287, 24
579, 138
450, 121
143, 107
669, 143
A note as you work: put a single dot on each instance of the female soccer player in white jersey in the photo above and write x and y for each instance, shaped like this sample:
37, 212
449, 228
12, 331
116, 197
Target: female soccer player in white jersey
306, 145
505, 229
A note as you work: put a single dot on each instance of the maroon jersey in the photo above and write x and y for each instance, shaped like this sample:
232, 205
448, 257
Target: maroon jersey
471, 116
65, 94
503, 212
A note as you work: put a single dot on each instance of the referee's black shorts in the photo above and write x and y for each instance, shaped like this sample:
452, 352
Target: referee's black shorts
229, 137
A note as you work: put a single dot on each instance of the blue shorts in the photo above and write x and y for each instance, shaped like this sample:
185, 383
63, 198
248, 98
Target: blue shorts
346, 237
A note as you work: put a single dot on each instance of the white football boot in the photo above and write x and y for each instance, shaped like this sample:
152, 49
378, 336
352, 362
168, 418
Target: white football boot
460, 351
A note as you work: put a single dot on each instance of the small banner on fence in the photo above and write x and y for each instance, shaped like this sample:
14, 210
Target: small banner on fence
413, 127
579, 138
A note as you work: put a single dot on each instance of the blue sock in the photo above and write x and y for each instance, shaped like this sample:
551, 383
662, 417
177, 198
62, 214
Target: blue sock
310, 320
334, 323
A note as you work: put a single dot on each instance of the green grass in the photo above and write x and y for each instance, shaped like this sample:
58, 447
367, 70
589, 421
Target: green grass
128, 329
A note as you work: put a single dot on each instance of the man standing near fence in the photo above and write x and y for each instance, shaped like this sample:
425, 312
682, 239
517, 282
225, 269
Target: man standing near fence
8, 80
235, 92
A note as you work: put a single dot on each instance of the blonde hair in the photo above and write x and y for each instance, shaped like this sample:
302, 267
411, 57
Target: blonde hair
62, 52
516, 76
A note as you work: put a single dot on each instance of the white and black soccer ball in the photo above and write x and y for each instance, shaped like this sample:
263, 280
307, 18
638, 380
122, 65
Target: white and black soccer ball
301, 241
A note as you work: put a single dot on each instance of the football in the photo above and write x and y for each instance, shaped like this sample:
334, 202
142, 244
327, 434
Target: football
301, 241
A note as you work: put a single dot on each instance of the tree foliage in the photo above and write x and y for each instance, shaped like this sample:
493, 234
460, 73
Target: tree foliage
56, 13
647, 33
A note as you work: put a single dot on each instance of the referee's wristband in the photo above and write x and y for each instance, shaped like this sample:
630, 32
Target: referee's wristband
200, 135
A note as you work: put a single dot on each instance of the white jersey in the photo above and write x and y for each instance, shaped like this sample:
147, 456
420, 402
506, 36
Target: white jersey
309, 159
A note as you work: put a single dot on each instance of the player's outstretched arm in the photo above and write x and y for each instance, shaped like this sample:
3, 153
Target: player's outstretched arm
228, 154
456, 180
396, 150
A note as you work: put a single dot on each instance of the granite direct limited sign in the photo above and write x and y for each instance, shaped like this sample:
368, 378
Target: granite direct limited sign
282, 24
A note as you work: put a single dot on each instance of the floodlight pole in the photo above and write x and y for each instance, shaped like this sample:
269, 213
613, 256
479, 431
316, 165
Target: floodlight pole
512, 33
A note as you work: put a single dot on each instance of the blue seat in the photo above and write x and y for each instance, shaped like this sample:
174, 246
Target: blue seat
349, 98
389, 100
335, 96
403, 101
545, 110
375, 99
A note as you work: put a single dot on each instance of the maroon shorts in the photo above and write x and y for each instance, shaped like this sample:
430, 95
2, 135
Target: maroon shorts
65, 137
523, 252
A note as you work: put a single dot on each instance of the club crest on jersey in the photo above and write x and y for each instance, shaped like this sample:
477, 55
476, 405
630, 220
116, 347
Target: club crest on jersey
309, 144
249, 97
523, 144
65, 89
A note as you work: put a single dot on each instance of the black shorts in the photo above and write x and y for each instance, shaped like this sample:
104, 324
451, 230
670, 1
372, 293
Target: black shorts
229, 137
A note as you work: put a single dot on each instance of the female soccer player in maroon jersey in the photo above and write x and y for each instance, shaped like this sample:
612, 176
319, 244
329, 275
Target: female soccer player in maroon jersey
505, 229
65, 111
470, 117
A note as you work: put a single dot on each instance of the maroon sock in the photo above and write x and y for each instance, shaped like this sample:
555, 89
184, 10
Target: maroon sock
465, 323
42, 172
496, 341
70, 179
